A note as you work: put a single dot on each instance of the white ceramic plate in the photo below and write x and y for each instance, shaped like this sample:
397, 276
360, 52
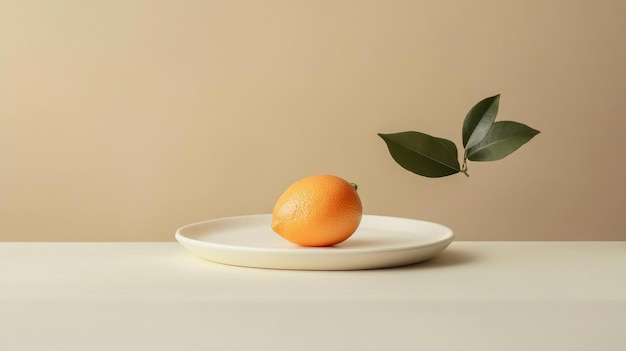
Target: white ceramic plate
379, 242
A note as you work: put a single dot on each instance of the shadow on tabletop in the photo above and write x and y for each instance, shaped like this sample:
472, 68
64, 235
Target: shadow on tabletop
447, 258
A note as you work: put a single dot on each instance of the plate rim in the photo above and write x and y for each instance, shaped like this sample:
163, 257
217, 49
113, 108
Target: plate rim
316, 258
448, 237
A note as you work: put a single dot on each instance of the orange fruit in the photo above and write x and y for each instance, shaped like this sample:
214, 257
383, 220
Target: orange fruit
320, 210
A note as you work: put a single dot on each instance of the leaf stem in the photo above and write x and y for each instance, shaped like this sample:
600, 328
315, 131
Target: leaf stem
464, 164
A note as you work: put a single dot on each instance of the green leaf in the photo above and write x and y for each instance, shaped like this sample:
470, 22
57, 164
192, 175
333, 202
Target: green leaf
423, 154
479, 120
503, 138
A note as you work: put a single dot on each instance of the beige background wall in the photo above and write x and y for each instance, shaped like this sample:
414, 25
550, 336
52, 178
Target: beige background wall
124, 120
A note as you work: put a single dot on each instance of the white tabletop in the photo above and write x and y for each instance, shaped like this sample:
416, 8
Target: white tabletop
157, 296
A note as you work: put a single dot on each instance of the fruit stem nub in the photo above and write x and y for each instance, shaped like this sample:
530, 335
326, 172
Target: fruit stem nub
356, 187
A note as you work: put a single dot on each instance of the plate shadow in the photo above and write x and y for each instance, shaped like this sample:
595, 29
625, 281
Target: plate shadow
447, 258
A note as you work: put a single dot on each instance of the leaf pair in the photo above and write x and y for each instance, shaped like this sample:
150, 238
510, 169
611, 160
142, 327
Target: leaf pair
483, 140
